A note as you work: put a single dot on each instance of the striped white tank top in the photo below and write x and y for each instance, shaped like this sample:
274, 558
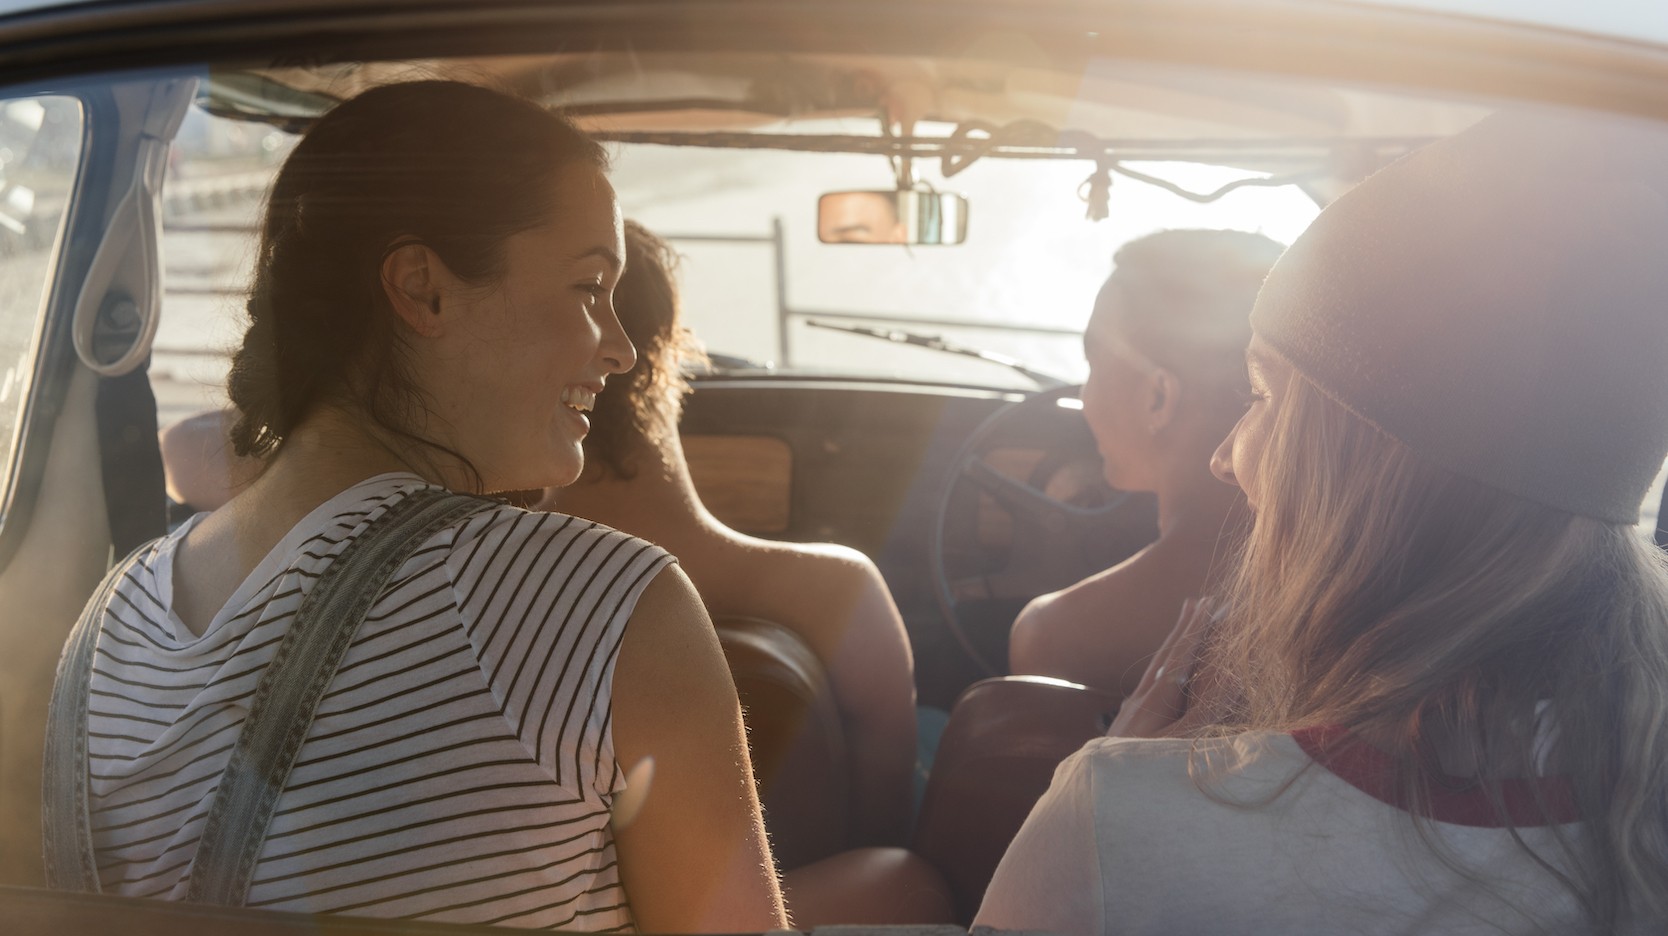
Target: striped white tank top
461, 765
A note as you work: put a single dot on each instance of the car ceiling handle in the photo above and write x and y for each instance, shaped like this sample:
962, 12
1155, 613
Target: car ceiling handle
121, 300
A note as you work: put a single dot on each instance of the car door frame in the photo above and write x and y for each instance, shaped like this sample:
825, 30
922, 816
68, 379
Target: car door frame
55, 529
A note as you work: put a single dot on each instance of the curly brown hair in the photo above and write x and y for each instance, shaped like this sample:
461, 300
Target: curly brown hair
639, 410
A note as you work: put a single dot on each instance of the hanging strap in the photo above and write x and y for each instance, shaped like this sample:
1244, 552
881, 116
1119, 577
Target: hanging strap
280, 713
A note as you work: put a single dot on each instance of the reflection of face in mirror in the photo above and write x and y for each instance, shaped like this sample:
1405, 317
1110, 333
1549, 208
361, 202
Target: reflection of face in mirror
860, 218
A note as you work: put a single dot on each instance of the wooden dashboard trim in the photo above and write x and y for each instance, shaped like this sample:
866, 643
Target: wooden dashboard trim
745, 480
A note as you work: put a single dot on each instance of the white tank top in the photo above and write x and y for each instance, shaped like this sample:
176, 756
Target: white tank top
461, 765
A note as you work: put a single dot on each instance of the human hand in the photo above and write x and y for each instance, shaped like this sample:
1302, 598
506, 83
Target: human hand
1161, 698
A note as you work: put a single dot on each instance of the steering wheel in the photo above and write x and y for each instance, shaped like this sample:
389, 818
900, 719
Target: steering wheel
1063, 522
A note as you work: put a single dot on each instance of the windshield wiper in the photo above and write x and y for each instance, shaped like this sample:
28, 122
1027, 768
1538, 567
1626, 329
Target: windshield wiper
939, 343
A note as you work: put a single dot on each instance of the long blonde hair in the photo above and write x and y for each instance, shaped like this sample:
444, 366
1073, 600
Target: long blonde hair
1381, 593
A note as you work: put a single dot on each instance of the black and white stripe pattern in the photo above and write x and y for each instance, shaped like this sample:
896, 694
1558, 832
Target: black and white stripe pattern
460, 768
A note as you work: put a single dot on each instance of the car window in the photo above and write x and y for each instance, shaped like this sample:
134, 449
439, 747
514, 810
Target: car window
40, 154
217, 178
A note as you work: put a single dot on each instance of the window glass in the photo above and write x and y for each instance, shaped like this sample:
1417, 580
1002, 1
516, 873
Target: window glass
218, 174
40, 152
1021, 286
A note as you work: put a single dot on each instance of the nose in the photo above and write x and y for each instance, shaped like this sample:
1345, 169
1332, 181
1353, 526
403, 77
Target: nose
1222, 460
616, 350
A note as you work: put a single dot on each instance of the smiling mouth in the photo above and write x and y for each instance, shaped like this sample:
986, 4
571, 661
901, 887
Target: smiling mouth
579, 399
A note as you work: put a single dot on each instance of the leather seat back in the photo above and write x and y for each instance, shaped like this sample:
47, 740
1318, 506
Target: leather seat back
995, 760
795, 736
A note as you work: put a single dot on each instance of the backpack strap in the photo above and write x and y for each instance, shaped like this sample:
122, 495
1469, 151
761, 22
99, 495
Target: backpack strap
288, 693
66, 828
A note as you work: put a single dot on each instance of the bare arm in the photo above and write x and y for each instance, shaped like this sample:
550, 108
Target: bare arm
873, 673
198, 462
694, 857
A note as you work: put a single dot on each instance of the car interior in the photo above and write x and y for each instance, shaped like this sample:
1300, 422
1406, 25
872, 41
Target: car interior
906, 389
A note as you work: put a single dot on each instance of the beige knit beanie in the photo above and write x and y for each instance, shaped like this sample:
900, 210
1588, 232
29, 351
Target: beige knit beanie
1498, 301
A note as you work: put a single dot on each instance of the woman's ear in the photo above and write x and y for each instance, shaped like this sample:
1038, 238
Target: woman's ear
411, 275
1163, 399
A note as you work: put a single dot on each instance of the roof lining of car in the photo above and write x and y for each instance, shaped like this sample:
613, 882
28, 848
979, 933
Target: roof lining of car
1104, 112
1351, 48
293, 110
1331, 41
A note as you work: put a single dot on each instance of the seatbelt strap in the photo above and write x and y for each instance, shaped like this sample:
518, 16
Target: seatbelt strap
280, 715
130, 458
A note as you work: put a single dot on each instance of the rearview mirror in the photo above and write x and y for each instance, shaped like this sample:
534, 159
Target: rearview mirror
880, 217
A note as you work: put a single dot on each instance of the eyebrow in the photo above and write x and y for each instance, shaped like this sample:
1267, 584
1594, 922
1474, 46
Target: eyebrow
605, 253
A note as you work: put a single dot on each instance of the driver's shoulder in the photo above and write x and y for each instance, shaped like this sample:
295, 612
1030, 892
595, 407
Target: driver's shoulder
1109, 592
1103, 630
802, 570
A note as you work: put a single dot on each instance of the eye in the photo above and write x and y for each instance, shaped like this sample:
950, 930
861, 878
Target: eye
594, 290
1251, 396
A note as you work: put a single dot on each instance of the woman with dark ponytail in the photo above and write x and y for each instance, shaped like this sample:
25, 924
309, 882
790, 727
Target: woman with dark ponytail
533, 725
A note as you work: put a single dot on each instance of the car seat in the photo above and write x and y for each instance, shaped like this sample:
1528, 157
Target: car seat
796, 738
996, 758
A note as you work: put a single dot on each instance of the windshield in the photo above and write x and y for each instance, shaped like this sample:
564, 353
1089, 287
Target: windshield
1021, 285
755, 278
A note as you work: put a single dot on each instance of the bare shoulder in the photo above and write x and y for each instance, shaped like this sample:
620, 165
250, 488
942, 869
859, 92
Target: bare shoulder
669, 656
670, 607
817, 568
1104, 591
850, 567
1103, 630
832, 596
1065, 633
829, 554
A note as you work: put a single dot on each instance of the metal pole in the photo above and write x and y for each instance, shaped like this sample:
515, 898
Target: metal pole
778, 243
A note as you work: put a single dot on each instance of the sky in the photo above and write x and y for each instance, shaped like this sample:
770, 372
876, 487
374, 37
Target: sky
1629, 19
